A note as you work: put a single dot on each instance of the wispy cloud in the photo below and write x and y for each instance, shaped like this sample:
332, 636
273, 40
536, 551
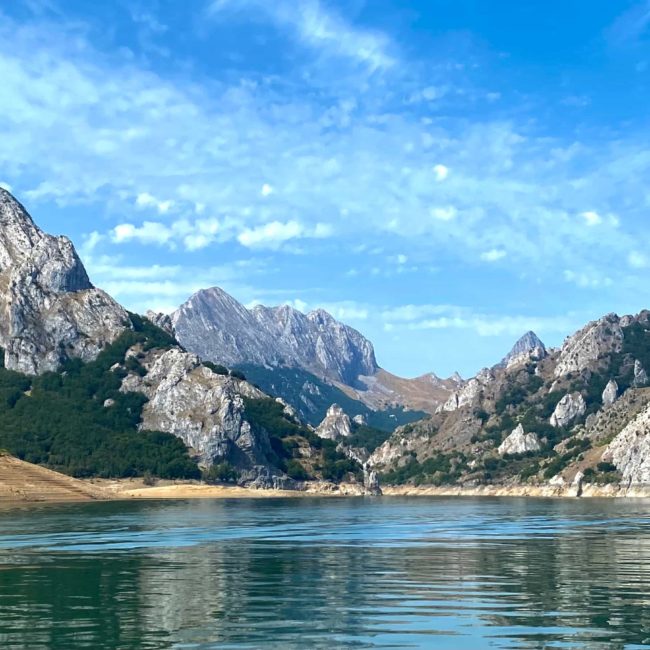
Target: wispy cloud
317, 26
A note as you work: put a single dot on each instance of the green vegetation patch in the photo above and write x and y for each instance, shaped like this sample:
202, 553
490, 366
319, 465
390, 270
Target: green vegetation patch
286, 436
59, 419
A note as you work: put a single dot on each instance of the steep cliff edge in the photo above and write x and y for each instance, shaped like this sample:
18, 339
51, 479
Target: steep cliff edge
49, 310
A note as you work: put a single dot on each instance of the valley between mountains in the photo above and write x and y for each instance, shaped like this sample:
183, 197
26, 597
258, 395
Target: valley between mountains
272, 398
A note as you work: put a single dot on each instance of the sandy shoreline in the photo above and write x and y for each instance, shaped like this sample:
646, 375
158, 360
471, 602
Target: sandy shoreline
135, 489
22, 483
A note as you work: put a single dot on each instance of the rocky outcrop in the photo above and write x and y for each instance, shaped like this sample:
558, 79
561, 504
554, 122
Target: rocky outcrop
640, 375
204, 409
371, 481
519, 442
630, 450
569, 408
335, 425
610, 394
360, 420
469, 393
528, 348
288, 410
49, 310
215, 326
596, 340
164, 321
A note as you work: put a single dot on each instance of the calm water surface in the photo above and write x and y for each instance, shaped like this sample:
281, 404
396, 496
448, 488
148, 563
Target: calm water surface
326, 573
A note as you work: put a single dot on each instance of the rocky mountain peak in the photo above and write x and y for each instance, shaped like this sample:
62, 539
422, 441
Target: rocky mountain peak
218, 328
529, 346
49, 310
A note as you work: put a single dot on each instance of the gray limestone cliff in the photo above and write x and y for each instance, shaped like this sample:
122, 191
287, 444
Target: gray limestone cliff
204, 409
218, 328
49, 310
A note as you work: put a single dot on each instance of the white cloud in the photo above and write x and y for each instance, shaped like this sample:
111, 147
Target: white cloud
267, 190
493, 255
591, 218
271, 235
275, 233
441, 172
194, 235
146, 200
150, 232
588, 278
319, 26
402, 259
444, 214
638, 260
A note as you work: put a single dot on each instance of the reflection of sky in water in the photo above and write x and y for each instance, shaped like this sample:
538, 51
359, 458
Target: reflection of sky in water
426, 573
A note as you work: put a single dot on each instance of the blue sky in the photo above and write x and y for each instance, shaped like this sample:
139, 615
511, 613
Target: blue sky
442, 175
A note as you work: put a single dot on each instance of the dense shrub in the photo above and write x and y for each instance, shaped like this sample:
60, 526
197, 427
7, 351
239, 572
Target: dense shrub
221, 473
367, 437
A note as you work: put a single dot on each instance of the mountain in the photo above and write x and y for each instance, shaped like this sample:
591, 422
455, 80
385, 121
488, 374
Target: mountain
89, 389
218, 328
263, 339
49, 310
572, 417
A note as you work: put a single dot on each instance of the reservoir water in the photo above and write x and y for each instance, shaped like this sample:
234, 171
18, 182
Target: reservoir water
449, 573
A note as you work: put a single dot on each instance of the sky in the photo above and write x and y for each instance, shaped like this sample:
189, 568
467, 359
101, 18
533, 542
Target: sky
442, 175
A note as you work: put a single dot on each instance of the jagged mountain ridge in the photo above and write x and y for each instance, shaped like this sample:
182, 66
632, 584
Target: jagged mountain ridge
568, 416
218, 328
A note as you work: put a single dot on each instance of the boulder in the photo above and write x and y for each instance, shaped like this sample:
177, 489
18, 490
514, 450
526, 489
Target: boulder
610, 393
519, 442
640, 375
569, 408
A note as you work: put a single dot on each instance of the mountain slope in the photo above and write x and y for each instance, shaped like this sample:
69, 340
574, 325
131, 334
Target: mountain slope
568, 416
312, 397
20, 481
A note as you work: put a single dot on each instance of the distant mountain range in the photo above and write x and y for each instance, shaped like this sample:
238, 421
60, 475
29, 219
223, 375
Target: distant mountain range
91, 389
263, 339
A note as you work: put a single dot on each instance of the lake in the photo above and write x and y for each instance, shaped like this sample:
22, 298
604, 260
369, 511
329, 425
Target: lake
326, 573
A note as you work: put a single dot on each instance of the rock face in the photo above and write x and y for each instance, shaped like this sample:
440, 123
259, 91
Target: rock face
49, 310
610, 393
592, 342
630, 450
218, 328
469, 393
335, 425
519, 442
203, 409
528, 347
163, 321
568, 409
